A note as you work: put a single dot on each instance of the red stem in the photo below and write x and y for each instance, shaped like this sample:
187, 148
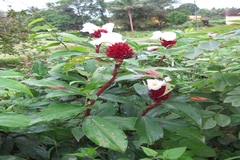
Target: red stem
105, 86
160, 61
150, 107
98, 48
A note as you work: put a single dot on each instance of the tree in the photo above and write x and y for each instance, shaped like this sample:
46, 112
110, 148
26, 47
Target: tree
188, 7
125, 5
160, 8
100, 8
177, 17
13, 30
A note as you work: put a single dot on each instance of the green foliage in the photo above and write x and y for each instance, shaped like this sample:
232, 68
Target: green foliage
78, 104
177, 17
13, 31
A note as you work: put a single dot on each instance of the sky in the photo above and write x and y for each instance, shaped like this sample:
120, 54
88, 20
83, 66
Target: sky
18, 5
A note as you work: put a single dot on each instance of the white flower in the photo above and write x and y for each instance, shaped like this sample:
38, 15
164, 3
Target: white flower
154, 84
108, 27
108, 38
156, 35
169, 36
91, 28
167, 79
152, 48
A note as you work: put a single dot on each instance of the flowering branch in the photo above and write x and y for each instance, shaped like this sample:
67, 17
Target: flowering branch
105, 86
151, 107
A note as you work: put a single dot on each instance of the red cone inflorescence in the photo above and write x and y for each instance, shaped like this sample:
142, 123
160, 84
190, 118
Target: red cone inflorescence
157, 95
97, 33
120, 50
168, 43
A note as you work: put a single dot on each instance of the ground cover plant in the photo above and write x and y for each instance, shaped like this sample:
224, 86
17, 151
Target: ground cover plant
114, 98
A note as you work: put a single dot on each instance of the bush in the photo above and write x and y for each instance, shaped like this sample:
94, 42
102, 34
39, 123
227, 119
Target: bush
192, 24
177, 17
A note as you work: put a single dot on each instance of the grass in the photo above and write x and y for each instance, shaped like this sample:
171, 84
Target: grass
10, 60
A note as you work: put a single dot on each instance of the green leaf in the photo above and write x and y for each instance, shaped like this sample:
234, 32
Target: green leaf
192, 144
56, 84
115, 98
101, 75
105, 109
90, 65
209, 123
174, 153
105, 133
205, 152
192, 53
35, 21
142, 90
31, 147
50, 45
78, 60
11, 74
14, 120
211, 45
182, 129
14, 85
62, 93
235, 92
66, 37
67, 54
58, 111
86, 152
235, 157
222, 120
79, 49
149, 152
125, 123
235, 100
187, 110
41, 28
11, 158
39, 68
77, 133
71, 76
148, 129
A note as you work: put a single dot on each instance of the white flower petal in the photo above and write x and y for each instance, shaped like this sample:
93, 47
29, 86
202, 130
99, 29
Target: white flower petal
89, 27
167, 79
154, 84
108, 38
169, 36
108, 27
111, 38
151, 48
156, 35
96, 42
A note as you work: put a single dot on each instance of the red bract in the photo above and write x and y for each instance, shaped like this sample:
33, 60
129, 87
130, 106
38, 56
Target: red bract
157, 95
120, 50
166, 96
168, 43
97, 33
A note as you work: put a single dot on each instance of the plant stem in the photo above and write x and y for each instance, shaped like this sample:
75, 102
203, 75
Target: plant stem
160, 61
150, 107
98, 48
104, 87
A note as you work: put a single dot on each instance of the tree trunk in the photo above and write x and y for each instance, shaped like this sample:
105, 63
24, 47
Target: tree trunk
130, 19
